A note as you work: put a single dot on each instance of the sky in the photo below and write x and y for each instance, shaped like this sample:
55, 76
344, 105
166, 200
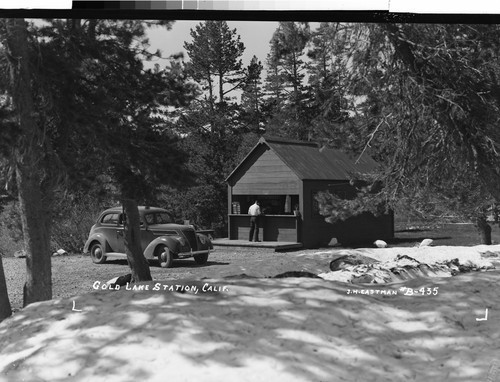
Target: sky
254, 34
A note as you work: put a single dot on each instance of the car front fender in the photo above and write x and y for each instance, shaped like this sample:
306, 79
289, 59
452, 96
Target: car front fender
204, 241
96, 237
172, 242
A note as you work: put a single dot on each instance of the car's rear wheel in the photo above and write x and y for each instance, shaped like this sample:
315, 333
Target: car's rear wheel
97, 253
165, 257
201, 259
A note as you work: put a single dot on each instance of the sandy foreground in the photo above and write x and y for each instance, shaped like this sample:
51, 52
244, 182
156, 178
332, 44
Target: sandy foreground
253, 329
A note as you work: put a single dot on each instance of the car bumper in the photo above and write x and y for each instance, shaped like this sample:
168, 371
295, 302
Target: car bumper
184, 255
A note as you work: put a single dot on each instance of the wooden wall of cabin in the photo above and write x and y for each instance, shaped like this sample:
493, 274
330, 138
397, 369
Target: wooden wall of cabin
264, 174
282, 228
275, 225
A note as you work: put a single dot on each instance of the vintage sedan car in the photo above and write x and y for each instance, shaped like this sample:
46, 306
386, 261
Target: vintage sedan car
161, 239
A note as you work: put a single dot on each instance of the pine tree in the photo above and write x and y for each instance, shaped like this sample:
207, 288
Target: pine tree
215, 55
212, 123
427, 104
99, 114
328, 86
29, 157
5, 307
110, 99
287, 107
287, 47
252, 97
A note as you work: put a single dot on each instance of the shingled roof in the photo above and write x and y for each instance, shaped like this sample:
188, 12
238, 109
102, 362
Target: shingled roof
310, 162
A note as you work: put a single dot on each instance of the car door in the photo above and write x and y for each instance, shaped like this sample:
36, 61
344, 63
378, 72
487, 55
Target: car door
147, 235
120, 235
110, 228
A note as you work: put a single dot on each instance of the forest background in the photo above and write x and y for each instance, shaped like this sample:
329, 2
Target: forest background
421, 99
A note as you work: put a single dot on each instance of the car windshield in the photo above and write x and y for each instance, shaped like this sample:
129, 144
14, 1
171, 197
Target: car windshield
157, 218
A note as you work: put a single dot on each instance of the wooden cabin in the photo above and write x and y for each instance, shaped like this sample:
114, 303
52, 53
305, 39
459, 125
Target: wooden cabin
285, 176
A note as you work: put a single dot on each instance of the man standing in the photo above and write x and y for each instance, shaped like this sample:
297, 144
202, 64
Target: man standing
254, 212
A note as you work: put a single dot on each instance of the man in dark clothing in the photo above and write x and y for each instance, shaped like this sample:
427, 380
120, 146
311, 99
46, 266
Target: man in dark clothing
254, 212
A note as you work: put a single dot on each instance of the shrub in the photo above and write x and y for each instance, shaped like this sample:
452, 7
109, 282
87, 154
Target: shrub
11, 233
72, 221
205, 206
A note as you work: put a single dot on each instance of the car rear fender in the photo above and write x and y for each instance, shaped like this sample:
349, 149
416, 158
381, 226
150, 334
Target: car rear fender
96, 237
172, 242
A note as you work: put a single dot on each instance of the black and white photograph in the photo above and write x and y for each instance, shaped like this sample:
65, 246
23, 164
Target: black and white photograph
231, 196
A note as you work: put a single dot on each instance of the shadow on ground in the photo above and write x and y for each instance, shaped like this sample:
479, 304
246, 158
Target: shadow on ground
416, 240
259, 329
181, 263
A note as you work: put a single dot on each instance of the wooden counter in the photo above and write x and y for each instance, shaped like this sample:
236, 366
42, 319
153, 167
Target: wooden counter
271, 227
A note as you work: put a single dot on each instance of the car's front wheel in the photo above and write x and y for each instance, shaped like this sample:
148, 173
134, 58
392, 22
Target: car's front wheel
97, 253
201, 259
165, 257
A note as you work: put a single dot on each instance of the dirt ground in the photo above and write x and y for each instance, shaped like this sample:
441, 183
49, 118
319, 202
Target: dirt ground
75, 274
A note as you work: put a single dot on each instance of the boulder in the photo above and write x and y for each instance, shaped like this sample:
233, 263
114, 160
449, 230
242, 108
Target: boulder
60, 252
334, 242
20, 254
344, 261
426, 243
380, 244
120, 280
364, 279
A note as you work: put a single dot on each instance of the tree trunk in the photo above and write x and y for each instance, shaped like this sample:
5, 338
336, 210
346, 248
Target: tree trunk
5, 308
133, 248
221, 87
28, 156
484, 230
38, 286
210, 91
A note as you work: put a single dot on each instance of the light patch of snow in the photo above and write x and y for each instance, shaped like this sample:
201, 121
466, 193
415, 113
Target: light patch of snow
422, 254
296, 329
388, 258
